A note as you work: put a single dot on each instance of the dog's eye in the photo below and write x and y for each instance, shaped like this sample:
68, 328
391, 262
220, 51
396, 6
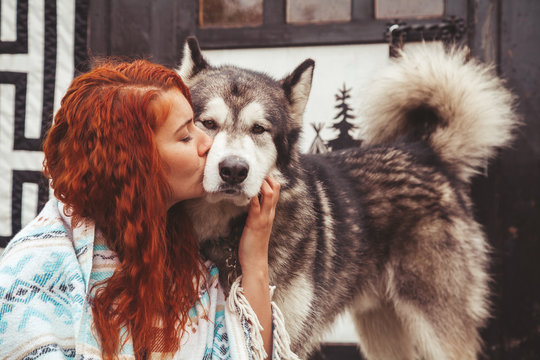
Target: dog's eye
257, 129
209, 124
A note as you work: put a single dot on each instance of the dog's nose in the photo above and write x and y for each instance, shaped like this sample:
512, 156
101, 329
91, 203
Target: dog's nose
233, 170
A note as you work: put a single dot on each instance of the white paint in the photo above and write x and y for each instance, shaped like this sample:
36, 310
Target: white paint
8, 26
65, 48
34, 90
334, 65
7, 102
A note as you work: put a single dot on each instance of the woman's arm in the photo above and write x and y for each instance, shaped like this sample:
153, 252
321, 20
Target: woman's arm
253, 256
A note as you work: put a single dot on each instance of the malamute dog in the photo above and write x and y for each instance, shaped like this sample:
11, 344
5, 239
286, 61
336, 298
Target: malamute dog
386, 230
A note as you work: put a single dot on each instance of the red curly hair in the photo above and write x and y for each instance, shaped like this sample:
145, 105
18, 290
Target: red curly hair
104, 165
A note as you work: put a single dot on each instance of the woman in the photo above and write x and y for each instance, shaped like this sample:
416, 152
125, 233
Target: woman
111, 267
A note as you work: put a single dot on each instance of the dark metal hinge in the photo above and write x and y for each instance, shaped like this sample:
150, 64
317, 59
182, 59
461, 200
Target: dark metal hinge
450, 30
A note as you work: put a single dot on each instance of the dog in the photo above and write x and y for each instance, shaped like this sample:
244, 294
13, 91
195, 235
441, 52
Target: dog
386, 230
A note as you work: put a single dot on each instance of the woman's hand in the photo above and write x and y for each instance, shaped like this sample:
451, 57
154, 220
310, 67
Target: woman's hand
253, 256
253, 247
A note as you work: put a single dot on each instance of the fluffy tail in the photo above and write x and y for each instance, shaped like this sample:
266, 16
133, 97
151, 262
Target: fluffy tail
459, 106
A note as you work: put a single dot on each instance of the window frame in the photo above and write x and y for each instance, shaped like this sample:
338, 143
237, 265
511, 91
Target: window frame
275, 32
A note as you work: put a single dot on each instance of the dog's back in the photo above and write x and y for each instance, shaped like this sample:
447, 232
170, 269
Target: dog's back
388, 233
416, 256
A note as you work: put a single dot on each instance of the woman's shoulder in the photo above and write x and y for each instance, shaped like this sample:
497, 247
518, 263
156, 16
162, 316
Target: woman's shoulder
44, 228
41, 285
41, 249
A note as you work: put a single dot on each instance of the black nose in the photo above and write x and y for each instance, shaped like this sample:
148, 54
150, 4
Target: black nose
233, 170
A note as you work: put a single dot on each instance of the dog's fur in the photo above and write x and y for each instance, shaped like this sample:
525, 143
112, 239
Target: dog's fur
387, 230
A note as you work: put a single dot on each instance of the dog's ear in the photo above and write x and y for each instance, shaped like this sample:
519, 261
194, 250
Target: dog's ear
297, 87
192, 59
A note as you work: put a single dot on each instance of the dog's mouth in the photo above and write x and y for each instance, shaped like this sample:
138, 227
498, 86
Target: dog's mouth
235, 195
230, 190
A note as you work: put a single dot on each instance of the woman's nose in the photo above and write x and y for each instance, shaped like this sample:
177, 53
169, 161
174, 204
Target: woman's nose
205, 143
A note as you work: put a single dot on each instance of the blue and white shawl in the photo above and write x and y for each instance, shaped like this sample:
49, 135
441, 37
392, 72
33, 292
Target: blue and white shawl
47, 272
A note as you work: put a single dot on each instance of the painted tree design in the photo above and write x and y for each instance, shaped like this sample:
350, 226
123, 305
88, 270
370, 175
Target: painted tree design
344, 125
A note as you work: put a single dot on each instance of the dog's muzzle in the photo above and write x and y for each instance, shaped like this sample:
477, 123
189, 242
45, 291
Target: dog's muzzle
233, 170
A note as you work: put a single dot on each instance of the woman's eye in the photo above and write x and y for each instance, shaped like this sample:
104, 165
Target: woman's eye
209, 124
186, 139
257, 129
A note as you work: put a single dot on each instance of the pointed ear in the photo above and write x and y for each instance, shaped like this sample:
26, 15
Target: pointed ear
297, 87
192, 60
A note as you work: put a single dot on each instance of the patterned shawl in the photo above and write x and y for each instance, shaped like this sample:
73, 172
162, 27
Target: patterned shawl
47, 273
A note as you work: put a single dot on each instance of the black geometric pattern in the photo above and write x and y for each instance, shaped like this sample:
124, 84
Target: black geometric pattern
20, 81
47, 349
19, 46
20, 177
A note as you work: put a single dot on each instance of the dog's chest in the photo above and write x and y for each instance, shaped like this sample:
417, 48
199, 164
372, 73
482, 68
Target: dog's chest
222, 250
212, 221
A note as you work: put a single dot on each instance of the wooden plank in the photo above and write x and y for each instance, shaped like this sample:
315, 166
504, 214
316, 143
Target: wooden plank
99, 20
458, 8
362, 10
186, 25
163, 43
293, 35
519, 187
484, 30
130, 28
274, 12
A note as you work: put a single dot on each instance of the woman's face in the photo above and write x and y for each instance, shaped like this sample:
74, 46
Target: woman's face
183, 148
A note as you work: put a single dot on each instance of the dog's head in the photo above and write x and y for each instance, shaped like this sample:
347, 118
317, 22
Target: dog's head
254, 119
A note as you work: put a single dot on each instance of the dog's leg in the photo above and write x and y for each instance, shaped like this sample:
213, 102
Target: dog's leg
382, 334
434, 341
438, 287
401, 332
408, 328
424, 338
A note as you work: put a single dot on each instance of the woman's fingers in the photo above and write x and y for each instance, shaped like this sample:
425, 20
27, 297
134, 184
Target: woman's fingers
272, 182
254, 202
270, 194
275, 188
262, 208
266, 195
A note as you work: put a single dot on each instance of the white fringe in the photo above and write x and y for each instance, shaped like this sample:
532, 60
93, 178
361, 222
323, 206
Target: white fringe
237, 301
281, 340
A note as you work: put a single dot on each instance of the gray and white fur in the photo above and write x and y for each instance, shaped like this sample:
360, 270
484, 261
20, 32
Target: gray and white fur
385, 231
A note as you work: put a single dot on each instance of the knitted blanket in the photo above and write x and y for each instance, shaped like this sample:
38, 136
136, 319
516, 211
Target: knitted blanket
47, 273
